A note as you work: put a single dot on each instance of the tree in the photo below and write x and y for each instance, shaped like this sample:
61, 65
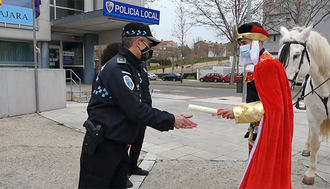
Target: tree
182, 26
294, 13
223, 16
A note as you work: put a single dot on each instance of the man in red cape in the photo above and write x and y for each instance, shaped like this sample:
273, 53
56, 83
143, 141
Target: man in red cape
269, 164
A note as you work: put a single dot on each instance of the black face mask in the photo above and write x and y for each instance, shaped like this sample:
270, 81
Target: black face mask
146, 53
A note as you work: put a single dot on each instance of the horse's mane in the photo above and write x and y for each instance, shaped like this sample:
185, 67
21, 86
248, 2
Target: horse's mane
317, 46
319, 49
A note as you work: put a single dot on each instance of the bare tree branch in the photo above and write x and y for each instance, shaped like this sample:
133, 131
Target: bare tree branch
301, 12
223, 15
182, 26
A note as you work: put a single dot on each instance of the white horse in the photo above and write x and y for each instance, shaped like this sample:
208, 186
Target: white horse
303, 52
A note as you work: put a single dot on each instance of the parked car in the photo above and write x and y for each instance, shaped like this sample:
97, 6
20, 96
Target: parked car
172, 77
152, 76
211, 77
237, 77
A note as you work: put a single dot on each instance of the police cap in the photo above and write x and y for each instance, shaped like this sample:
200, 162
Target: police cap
139, 29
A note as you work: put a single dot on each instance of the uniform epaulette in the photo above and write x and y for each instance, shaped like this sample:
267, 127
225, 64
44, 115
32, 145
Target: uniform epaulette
121, 60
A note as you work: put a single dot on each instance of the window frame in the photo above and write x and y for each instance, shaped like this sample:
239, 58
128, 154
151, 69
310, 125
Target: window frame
54, 6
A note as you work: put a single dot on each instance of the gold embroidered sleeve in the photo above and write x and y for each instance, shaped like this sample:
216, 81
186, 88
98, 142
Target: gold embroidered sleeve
248, 113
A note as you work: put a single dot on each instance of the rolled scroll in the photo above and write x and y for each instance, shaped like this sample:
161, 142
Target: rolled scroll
204, 109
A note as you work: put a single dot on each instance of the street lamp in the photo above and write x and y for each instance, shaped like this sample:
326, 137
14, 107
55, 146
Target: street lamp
182, 69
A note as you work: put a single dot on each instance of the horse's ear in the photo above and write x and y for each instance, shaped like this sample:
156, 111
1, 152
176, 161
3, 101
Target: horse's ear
304, 35
284, 31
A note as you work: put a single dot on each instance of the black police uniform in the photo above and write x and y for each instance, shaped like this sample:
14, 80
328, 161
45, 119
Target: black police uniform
136, 147
146, 97
116, 104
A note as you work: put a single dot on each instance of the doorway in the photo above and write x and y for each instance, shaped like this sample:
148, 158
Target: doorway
54, 57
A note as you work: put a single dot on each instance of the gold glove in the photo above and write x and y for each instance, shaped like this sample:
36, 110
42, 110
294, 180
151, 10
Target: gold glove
248, 113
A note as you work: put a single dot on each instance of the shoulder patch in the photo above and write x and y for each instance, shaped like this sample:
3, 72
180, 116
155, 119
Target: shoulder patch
128, 82
121, 60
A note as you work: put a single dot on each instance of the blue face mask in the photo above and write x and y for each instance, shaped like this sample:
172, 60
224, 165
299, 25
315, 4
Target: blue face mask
245, 50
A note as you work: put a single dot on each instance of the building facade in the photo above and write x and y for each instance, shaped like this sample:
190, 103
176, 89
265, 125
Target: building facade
204, 49
67, 32
167, 50
277, 14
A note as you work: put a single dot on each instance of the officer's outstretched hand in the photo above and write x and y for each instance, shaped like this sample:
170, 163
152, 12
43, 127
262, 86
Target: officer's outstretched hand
183, 122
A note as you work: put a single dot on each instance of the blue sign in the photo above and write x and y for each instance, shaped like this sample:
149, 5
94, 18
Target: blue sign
16, 15
130, 12
68, 58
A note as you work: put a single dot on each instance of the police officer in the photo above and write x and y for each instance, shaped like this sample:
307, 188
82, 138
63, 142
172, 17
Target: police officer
110, 51
135, 148
117, 107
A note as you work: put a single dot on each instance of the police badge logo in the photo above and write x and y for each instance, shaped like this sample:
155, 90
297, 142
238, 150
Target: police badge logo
128, 81
110, 5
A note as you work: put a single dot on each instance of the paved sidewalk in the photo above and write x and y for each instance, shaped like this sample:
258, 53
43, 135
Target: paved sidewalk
210, 174
214, 139
36, 152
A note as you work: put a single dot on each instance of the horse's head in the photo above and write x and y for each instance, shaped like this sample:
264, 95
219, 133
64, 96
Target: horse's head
293, 52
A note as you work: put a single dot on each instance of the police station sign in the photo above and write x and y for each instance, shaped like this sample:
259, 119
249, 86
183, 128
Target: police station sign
12, 13
130, 12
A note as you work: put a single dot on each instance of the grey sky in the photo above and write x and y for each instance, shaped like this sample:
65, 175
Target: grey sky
168, 19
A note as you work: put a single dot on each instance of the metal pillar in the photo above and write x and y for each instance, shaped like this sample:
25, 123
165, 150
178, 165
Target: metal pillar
248, 19
35, 57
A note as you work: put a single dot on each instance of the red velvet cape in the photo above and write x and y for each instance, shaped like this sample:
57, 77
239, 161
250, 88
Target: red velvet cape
270, 160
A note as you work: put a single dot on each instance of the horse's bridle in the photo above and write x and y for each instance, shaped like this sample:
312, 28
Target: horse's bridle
284, 55
284, 58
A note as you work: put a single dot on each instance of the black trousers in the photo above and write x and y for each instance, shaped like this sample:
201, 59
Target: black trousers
135, 149
106, 168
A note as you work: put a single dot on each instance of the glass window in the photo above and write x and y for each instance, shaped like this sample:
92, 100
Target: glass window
60, 13
20, 52
51, 13
51, 2
54, 58
73, 4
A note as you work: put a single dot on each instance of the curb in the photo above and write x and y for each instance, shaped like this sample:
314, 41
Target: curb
147, 164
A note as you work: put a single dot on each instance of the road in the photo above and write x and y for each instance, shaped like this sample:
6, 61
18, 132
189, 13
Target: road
194, 91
